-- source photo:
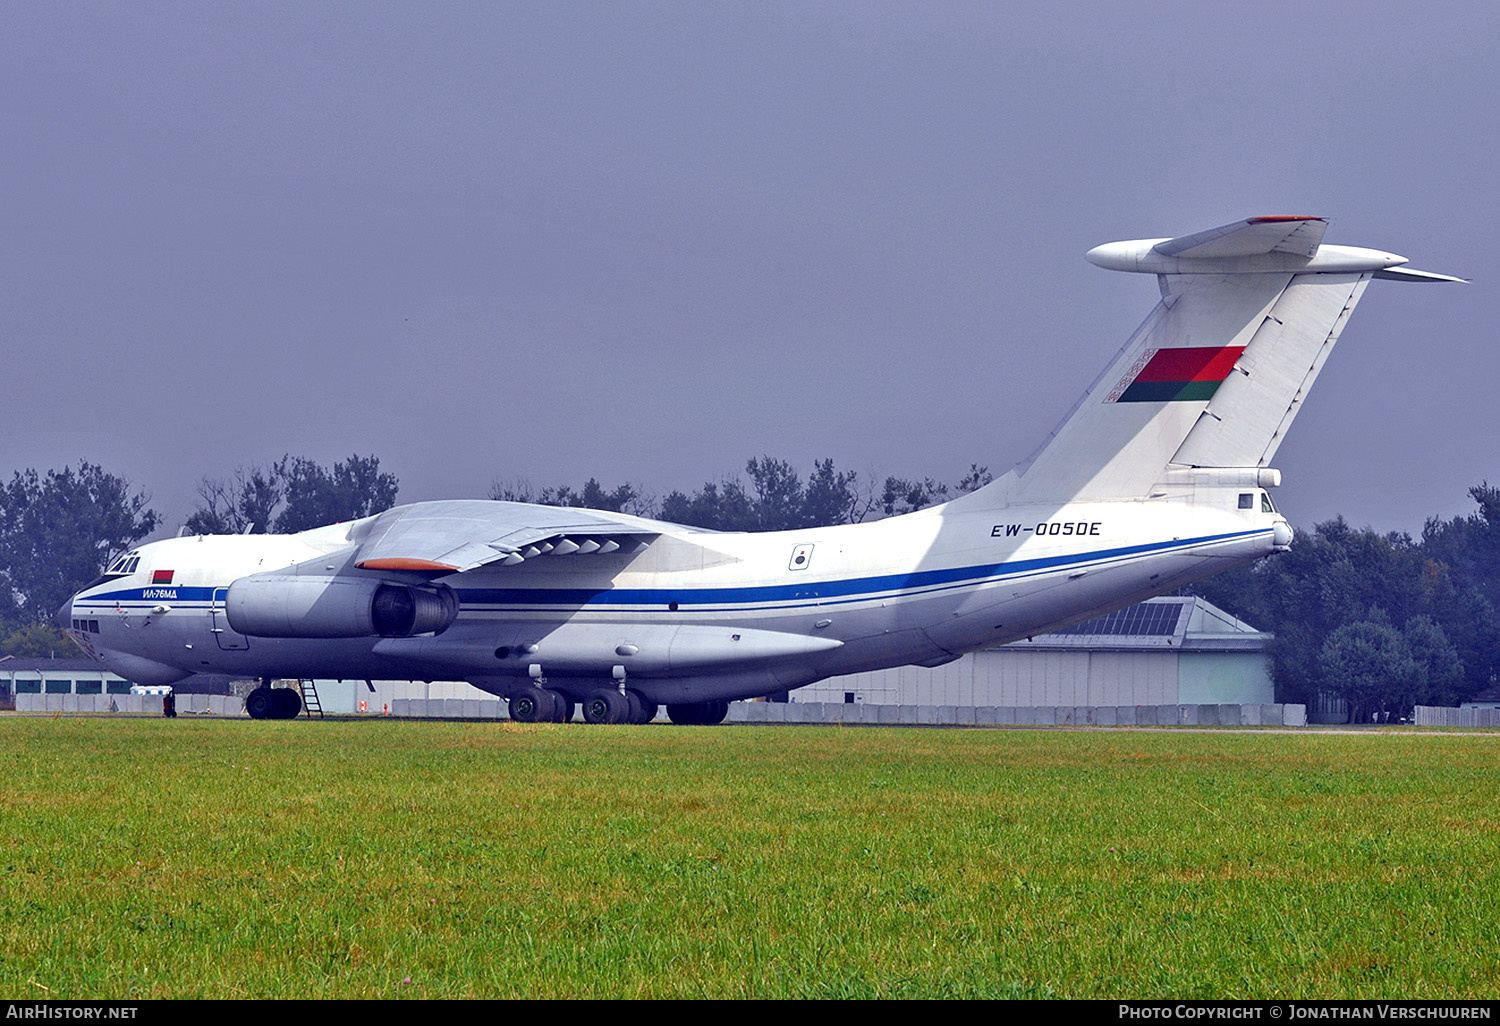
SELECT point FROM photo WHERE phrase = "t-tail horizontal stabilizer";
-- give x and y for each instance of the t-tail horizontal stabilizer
(1258, 245)
(1215, 375)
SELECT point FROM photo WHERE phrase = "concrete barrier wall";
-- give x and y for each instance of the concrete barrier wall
(449, 708)
(1447, 716)
(1276, 715)
(794, 712)
(131, 705)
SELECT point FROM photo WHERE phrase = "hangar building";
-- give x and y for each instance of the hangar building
(1164, 651)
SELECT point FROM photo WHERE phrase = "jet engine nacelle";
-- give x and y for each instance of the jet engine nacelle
(286, 606)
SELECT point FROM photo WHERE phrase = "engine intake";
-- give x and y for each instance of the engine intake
(288, 606)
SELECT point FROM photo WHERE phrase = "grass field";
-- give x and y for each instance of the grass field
(197, 858)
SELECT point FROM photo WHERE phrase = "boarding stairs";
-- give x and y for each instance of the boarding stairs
(310, 701)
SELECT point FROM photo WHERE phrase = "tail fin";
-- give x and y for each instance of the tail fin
(1217, 372)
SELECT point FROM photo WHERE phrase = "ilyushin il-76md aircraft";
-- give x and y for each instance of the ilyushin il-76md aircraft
(1159, 476)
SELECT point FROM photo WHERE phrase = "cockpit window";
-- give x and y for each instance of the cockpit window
(1265, 503)
(1247, 500)
(125, 564)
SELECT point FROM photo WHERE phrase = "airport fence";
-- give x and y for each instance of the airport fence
(1449, 716)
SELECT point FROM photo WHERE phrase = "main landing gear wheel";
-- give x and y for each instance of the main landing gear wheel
(606, 706)
(260, 703)
(642, 710)
(535, 705)
(698, 714)
(267, 703)
(288, 703)
(541, 705)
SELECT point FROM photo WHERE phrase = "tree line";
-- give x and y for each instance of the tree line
(1383, 621)
(59, 530)
(776, 498)
(292, 494)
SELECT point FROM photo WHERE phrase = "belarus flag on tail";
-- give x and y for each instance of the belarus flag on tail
(1180, 375)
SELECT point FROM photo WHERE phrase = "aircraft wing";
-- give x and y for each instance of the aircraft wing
(454, 536)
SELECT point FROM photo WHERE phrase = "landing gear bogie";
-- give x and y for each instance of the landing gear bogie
(642, 709)
(698, 714)
(540, 705)
(268, 703)
(536, 704)
(606, 705)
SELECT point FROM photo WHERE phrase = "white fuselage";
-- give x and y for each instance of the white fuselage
(698, 616)
(1154, 479)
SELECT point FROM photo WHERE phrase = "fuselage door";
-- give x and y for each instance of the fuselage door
(224, 634)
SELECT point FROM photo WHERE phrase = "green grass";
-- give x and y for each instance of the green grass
(197, 858)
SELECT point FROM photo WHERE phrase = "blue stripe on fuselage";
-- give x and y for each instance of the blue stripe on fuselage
(154, 593)
(847, 590)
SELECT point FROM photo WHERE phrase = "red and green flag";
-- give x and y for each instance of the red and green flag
(1181, 375)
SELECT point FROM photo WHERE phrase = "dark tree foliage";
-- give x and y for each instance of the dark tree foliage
(905, 496)
(832, 496)
(776, 498)
(1440, 671)
(58, 531)
(292, 494)
(623, 499)
(1462, 583)
(1369, 664)
(354, 488)
(245, 504)
(1470, 546)
(975, 479)
(38, 641)
(620, 500)
(779, 503)
(10, 607)
(519, 490)
(1379, 619)
(725, 506)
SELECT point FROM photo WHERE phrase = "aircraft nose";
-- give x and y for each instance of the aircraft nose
(64, 615)
(1282, 534)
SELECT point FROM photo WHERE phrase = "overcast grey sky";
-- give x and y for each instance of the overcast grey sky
(646, 241)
